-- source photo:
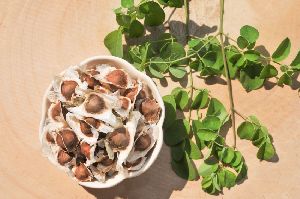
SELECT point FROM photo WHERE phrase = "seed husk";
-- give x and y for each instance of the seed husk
(95, 104)
(68, 89)
(118, 78)
(56, 111)
(143, 142)
(106, 161)
(91, 81)
(50, 138)
(85, 128)
(151, 110)
(67, 139)
(93, 122)
(85, 149)
(119, 138)
(82, 173)
(63, 157)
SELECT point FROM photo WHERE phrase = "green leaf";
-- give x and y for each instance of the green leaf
(123, 20)
(212, 123)
(136, 29)
(208, 167)
(254, 120)
(284, 79)
(246, 130)
(178, 72)
(296, 62)
(170, 110)
(242, 173)
(250, 33)
(238, 159)
(249, 76)
(177, 151)
(206, 182)
(154, 71)
(260, 136)
(282, 51)
(216, 108)
(229, 178)
(158, 62)
(175, 3)
(127, 3)
(228, 155)
(154, 14)
(201, 99)
(206, 134)
(196, 65)
(181, 97)
(251, 55)
(113, 42)
(185, 168)
(177, 132)
(266, 151)
(242, 42)
(216, 183)
(192, 150)
(172, 52)
(251, 46)
(268, 71)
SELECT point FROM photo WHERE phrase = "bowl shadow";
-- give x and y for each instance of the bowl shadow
(159, 181)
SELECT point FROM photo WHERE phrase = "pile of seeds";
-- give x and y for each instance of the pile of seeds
(100, 123)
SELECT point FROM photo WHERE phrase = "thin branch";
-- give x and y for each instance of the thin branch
(229, 86)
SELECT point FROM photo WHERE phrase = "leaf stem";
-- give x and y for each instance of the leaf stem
(187, 34)
(239, 114)
(229, 86)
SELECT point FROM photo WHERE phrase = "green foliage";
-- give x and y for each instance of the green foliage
(113, 42)
(249, 33)
(223, 166)
(282, 51)
(254, 131)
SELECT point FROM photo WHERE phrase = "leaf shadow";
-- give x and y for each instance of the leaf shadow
(211, 80)
(225, 128)
(159, 181)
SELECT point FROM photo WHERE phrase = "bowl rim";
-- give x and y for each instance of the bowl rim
(155, 92)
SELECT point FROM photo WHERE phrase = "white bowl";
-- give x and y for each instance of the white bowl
(133, 72)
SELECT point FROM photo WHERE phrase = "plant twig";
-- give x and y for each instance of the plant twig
(187, 34)
(239, 114)
(229, 86)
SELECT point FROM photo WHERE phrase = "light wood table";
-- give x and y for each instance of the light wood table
(40, 38)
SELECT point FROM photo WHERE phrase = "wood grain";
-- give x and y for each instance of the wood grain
(39, 38)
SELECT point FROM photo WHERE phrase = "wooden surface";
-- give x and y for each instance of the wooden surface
(40, 38)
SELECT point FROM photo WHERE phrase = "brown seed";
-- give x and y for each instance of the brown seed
(95, 104)
(85, 128)
(92, 82)
(119, 138)
(85, 149)
(68, 89)
(56, 111)
(117, 78)
(93, 122)
(132, 164)
(106, 161)
(94, 72)
(142, 143)
(63, 157)
(151, 110)
(67, 139)
(131, 93)
(125, 102)
(50, 138)
(82, 173)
